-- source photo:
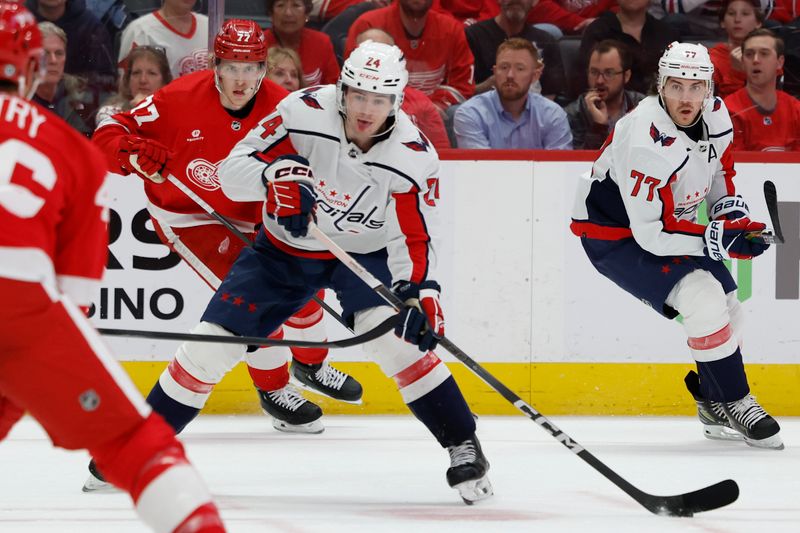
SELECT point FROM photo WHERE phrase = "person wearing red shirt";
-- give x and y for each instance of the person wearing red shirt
(737, 18)
(53, 250)
(764, 118)
(416, 104)
(315, 49)
(438, 58)
(571, 17)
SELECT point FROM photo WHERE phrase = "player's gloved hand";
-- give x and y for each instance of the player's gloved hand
(729, 208)
(734, 239)
(421, 321)
(290, 193)
(144, 157)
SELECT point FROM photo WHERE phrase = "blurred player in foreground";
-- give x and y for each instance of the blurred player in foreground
(636, 215)
(53, 247)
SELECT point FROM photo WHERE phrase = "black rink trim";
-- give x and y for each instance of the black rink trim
(315, 134)
(395, 171)
(716, 135)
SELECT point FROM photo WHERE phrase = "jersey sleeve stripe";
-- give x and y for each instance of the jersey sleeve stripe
(412, 224)
(727, 167)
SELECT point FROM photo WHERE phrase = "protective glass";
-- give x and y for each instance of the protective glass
(238, 70)
(694, 92)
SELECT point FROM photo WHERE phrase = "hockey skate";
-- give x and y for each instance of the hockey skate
(742, 419)
(467, 472)
(326, 380)
(96, 481)
(291, 412)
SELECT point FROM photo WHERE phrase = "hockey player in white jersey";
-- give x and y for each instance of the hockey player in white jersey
(348, 156)
(636, 215)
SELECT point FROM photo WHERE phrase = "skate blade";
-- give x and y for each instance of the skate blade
(721, 433)
(95, 485)
(300, 385)
(314, 427)
(770, 443)
(474, 490)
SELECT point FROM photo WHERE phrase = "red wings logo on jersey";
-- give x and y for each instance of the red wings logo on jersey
(420, 145)
(657, 136)
(203, 174)
(310, 99)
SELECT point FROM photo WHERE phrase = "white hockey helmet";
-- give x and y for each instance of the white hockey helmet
(687, 61)
(374, 67)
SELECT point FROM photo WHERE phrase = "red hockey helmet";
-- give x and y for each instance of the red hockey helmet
(240, 40)
(20, 45)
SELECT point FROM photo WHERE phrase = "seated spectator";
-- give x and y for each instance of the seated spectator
(569, 17)
(146, 71)
(485, 36)
(645, 36)
(764, 118)
(466, 11)
(285, 68)
(90, 50)
(416, 104)
(323, 11)
(737, 18)
(176, 29)
(698, 19)
(289, 30)
(593, 115)
(510, 116)
(438, 58)
(338, 26)
(64, 94)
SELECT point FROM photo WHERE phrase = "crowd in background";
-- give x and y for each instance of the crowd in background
(496, 74)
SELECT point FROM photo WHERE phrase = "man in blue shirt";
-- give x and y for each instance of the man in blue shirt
(510, 116)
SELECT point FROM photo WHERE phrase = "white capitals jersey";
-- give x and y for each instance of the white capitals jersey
(384, 198)
(650, 179)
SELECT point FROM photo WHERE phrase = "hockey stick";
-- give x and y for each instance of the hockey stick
(771, 199)
(687, 504)
(374, 333)
(227, 223)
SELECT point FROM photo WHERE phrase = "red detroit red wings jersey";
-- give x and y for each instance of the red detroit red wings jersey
(52, 217)
(187, 116)
(753, 129)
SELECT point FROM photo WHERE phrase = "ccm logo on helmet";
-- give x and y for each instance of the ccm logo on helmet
(294, 171)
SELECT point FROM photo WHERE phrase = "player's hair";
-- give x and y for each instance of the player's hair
(756, 7)
(276, 54)
(518, 43)
(157, 55)
(606, 45)
(308, 4)
(764, 32)
(48, 29)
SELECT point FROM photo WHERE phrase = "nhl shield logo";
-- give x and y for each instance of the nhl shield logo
(236, 125)
(89, 400)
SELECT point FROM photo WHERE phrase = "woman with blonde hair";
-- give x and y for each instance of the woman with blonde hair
(285, 68)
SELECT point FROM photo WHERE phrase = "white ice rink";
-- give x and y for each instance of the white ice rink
(383, 474)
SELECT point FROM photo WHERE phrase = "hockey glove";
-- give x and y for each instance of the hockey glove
(734, 239)
(729, 208)
(421, 321)
(144, 157)
(290, 193)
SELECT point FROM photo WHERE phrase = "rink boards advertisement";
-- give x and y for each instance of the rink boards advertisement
(519, 296)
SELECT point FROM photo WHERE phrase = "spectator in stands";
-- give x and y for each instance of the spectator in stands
(569, 17)
(485, 36)
(416, 104)
(146, 71)
(174, 28)
(289, 30)
(593, 115)
(285, 68)
(323, 11)
(645, 36)
(510, 116)
(737, 18)
(64, 94)
(764, 118)
(438, 58)
(90, 50)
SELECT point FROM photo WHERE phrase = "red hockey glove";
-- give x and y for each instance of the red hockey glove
(144, 157)
(734, 239)
(290, 193)
(421, 321)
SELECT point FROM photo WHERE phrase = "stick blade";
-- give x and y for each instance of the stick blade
(705, 499)
(771, 199)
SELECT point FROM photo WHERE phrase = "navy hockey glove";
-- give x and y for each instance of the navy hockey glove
(729, 208)
(421, 321)
(144, 157)
(290, 193)
(734, 239)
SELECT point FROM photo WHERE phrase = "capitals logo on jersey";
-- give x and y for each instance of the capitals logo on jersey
(310, 99)
(420, 145)
(657, 136)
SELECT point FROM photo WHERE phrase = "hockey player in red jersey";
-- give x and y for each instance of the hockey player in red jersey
(53, 247)
(186, 129)
(636, 215)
